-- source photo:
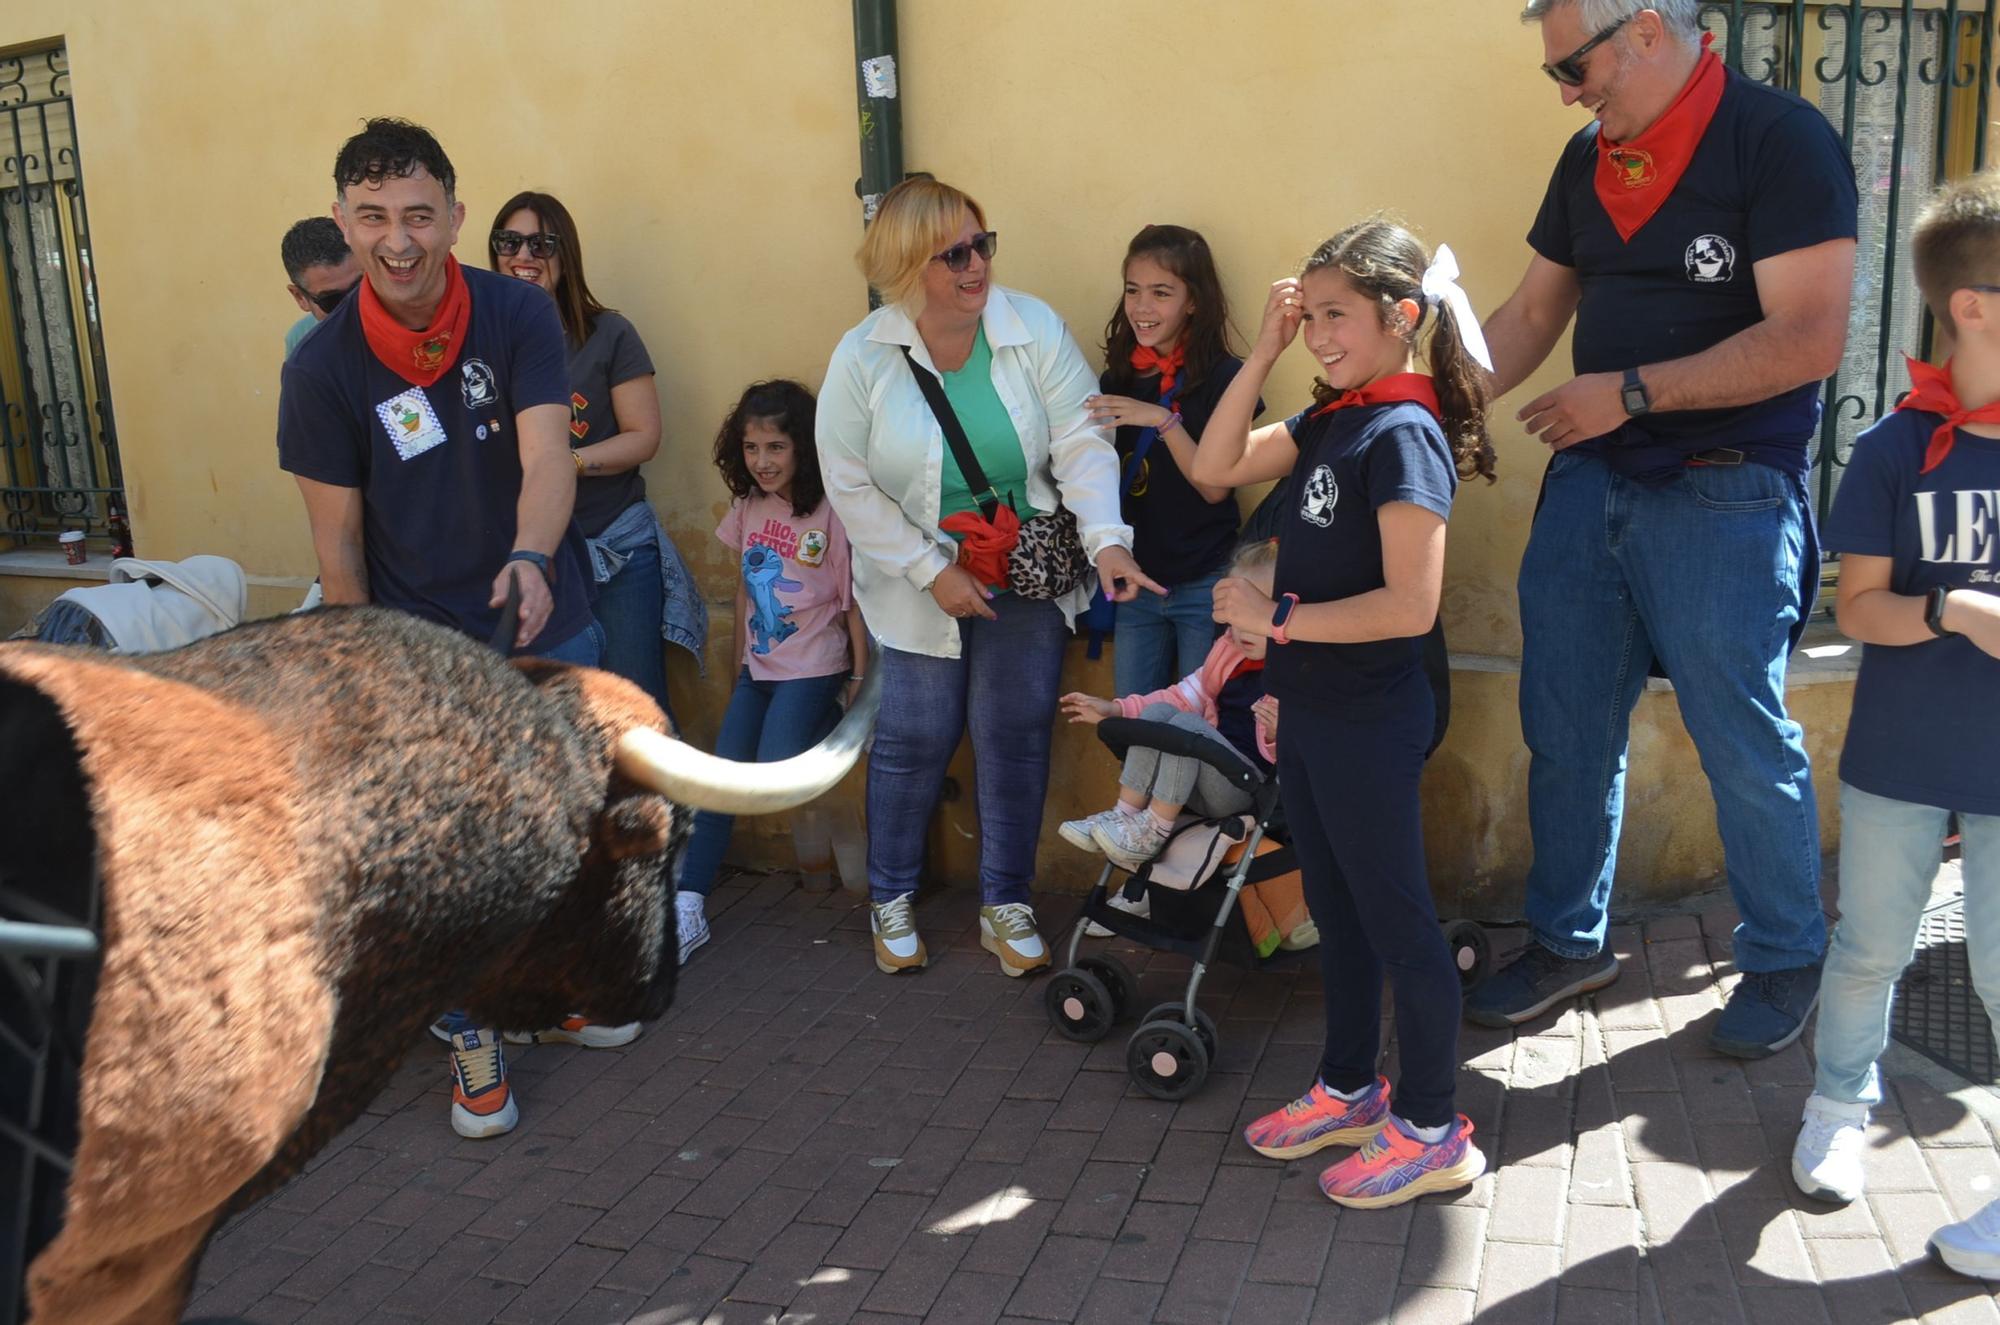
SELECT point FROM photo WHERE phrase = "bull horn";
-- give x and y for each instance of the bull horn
(703, 781)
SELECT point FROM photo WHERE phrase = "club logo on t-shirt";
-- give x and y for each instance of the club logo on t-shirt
(1322, 494)
(1711, 260)
(477, 384)
(411, 422)
(812, 547)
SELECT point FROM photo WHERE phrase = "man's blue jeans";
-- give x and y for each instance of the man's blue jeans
(1702, 573)
(766, 721)
(1889, 854)
(1159, 640)
(1003, 687)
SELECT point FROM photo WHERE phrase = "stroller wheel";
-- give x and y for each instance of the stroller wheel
(1167, 1060)
(1204, 1025)
(1117, 978)
(1079, 1005)
(1471, 951)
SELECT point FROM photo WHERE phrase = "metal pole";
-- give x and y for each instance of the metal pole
(881, 108)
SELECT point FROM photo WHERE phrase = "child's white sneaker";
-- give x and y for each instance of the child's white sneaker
(1826, 1159)
(691, 915)
(1143, 908)
(1130, 840)
(1972, 1247)
(1076, 832)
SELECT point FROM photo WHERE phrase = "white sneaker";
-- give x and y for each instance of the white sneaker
(1143, 908)
(691, 917)
(578, 1029)
(1826, 1159)
(1076, 832)
(482, 1103)
(898, 946)
(1008, 932)
(1130, 840)
(1973, 1246)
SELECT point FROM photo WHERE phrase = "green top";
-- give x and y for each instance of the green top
(990, 429)
(297, 333)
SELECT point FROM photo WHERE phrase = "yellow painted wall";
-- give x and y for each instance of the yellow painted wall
(709, 154)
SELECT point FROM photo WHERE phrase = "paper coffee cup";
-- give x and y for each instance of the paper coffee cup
(72, 546)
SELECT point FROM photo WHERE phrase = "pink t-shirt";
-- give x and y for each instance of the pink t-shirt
(797, 580)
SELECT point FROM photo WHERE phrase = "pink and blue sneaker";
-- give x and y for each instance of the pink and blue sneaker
(1319, 1119)
(1395, 1166)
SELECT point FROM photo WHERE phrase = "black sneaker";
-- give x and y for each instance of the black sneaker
(1535, 981)
(1766, 1013)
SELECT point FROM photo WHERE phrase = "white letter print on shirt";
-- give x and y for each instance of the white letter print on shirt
(1972, 516)
(1322, 494)
(412, 423)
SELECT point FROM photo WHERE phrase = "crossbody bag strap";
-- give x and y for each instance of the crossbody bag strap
(954, 435)
(1147, 436)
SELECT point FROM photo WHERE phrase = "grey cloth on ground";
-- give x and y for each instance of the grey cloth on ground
(1178, 779)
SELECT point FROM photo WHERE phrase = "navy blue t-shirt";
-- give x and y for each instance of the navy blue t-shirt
(1234, 719)
(1769, 177)
(1178, 535)
(1351, 463)
(439, 467)
(1922, 729)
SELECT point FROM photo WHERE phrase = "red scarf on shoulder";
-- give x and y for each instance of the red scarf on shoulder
(1931, 391)
(1415, 387)
(1635, 179)
(419, 357)
(1147, 360)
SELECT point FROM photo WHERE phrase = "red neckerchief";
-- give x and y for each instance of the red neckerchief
(1146, 360)
(1243, 667)
(1635, 179)
(419, 357)
(985, 544)
(1416, 387)
(1931, 391)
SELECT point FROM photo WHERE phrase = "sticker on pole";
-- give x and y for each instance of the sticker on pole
(878, 77)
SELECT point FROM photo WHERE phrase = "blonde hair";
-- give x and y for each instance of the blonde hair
(1258, 554)
(917, 220)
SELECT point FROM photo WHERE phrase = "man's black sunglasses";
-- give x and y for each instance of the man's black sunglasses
(959, 256)
(326, 300)
(506, 243)
(1569, 70)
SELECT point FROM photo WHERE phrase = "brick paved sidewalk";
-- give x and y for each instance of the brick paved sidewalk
(804, 1139)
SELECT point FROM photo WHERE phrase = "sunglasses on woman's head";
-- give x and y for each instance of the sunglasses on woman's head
(1569, 70)
(506, 243)
(959, 256)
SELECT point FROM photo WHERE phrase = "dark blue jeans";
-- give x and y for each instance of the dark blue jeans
(766, 721)
(1003, 689)
(1702, 573)
(628, 607)
(1159, 640)
(1349, 786)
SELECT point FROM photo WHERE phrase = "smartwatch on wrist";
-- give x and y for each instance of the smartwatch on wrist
(1633, 394)
(1934, 611)
(535, 559)
(1281, 617)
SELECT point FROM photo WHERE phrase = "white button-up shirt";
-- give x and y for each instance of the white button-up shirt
(882, 452)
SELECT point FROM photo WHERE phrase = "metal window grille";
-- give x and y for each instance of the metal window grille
(58, 449)
(1907, 85)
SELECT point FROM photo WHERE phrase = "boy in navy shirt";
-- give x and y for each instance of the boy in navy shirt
(426, 422)
(1917, 521)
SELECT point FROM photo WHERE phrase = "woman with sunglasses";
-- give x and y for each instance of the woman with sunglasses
(644, 591)
(961, 655)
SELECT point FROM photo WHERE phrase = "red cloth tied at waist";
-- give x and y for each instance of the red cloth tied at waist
(984, 544)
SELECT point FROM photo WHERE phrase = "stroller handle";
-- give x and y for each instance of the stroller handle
(1121, 734)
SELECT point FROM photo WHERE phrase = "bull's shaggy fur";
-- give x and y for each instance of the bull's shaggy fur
(316, 834)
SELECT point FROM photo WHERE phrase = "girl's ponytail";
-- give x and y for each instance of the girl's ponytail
(1462, 396)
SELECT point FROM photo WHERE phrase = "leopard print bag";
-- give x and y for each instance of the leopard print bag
(1047, 560)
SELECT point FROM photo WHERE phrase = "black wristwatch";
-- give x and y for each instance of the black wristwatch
(1633, 394)
(1934, 611)
(536, 559)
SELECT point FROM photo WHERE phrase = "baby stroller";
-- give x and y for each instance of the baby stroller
(1169, 1055)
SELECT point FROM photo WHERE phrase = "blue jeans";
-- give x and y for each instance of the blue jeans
(583, 649)
(766, 721)
(1889, 853)
(1159, 640)
(1703, 574)
(628, 607)
(1003, 687)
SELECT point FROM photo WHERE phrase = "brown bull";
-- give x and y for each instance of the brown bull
(315, 834)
